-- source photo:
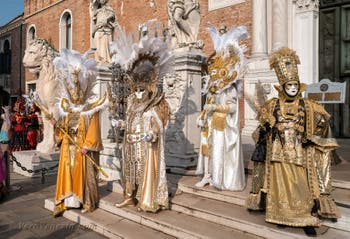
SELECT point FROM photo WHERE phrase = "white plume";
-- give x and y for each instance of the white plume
(126, 52)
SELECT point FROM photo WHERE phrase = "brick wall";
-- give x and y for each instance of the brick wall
(17, 72)
(130, 14)
(46, 15)
(14, 32)
(47, 21)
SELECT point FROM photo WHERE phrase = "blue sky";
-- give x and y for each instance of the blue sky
(10, 9)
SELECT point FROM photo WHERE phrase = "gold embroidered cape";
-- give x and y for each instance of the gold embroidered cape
(295, 174)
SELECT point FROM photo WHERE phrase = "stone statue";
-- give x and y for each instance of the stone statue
(38, 59)
(104, 20)
(184, 20)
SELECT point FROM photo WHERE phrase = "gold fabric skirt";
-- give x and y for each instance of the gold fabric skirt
(289, 200)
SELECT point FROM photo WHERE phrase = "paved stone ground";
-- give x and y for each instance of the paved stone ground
(22, 213)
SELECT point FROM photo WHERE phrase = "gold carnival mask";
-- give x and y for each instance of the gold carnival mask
(219, 70)
(77, 95)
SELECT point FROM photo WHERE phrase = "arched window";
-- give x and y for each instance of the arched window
(31, 34)
(5, 58)
(66, 30)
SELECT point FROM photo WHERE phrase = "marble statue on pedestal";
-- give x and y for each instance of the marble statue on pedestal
(38, 59)
(184, 20)
(104, 20)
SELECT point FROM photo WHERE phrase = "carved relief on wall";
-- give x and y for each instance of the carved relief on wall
(307, 4)
(174, 89)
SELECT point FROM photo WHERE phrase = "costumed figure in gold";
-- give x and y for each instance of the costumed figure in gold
(221, 156)
(293, 153)
(78, 131)
(143, 168)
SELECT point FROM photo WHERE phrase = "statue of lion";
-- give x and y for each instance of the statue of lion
(38, 59)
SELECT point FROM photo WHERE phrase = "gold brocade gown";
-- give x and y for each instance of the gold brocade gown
(76, 174)
(295, 175)
(144, 175)
(289, 200)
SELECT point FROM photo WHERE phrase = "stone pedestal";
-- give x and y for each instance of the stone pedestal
(34, 160)
(104, 76)
(110, 157)
(182, 135)
(110, 160)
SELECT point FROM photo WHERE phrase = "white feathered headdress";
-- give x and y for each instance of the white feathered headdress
(77, 77)
(147, 61)
(227, 64)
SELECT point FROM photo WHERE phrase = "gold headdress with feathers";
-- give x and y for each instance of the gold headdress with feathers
(227, 63)
(77, 77)
(145, 62)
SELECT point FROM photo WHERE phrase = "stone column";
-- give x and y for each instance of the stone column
(279, 24)
(258, 67)
(110, 156)
(259, 34)
(306, 38)
(182, 134)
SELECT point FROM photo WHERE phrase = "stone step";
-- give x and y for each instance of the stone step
(109, 225)
(186, 184)
(239, 217)
(115, 186)
(172, 223)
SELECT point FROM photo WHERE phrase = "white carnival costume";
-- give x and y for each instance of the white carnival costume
(221, 156)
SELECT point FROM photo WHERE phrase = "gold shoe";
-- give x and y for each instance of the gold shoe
(126, 202)
(57, 211)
